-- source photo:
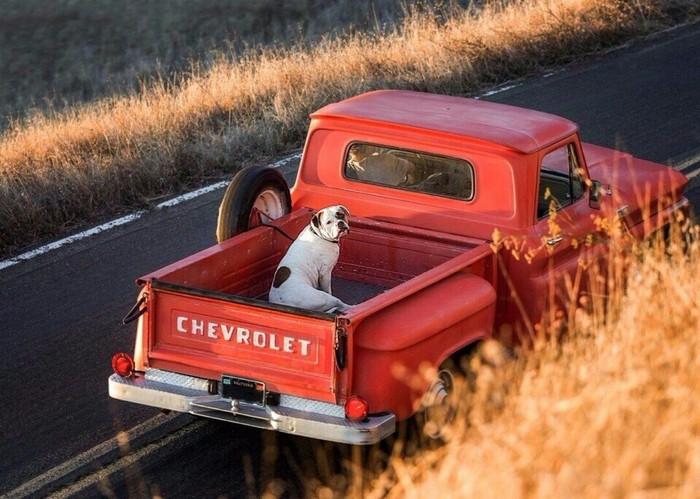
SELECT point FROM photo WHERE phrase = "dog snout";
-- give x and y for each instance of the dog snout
(343, 226)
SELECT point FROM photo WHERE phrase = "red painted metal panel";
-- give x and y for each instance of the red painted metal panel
(517, 128)
(210, 337)
(399, 343)
(499, 179)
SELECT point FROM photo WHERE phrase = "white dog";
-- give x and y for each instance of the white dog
(303, 277)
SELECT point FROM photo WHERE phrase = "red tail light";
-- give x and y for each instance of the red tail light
(123, 365)
(356, 408)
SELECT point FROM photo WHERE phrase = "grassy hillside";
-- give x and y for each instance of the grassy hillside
(62, 169)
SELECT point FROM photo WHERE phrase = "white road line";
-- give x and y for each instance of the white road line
(126, 219)
(498, 90)
(71, 239)
(284, 161)
(515, 84)
(191, 195)
(125, 461)
(64, 469)
(689, 166)
(687, 163)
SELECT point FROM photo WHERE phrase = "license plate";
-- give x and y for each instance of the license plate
(243, 389)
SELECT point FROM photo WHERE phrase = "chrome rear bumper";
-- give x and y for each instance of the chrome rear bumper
(304, 417)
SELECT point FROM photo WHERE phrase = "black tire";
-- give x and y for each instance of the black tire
(256, 193)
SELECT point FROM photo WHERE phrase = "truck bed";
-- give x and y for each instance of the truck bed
(208, 315)
(374, 257)
(355, 291)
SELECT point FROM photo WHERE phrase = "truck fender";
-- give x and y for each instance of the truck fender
(394, 344)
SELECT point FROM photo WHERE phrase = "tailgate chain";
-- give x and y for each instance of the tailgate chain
(341, 346)
(136, 311)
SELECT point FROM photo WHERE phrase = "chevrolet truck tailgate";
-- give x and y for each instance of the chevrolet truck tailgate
(212, 334)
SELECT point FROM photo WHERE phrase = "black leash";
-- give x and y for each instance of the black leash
(280, 231)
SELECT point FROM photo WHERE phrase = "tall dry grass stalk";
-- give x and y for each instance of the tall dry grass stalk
(59, 170)
(610, 409)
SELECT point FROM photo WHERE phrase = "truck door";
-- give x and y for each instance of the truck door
(565, 225)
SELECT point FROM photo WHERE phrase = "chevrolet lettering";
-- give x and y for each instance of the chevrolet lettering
(246, 336)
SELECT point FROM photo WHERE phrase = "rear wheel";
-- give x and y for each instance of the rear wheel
(468, 384)
(255, 196)
(439, 404)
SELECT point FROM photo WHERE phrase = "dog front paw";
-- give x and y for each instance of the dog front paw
(340, 308)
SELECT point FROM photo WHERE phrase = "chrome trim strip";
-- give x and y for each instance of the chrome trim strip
(303, 417)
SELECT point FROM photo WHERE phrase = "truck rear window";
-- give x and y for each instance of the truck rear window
(410, 170)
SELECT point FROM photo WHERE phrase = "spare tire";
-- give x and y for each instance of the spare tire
(257, 194)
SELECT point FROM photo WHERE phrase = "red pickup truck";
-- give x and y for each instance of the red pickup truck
(428, 180)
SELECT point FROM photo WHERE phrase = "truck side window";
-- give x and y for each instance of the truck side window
(561, 181)
(410, 170)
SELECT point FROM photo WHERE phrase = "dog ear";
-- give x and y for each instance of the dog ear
(315, 220)
(342, 209)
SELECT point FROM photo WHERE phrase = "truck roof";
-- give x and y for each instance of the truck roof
(517, 128)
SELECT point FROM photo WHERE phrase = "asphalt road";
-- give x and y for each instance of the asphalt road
(61, 312)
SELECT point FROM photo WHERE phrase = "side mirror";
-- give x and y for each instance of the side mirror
(594, 194)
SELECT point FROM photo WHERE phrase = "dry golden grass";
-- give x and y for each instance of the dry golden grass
(60, 170)
(609, 410)
(602, 405)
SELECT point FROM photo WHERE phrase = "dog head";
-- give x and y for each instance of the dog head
(331, 223)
